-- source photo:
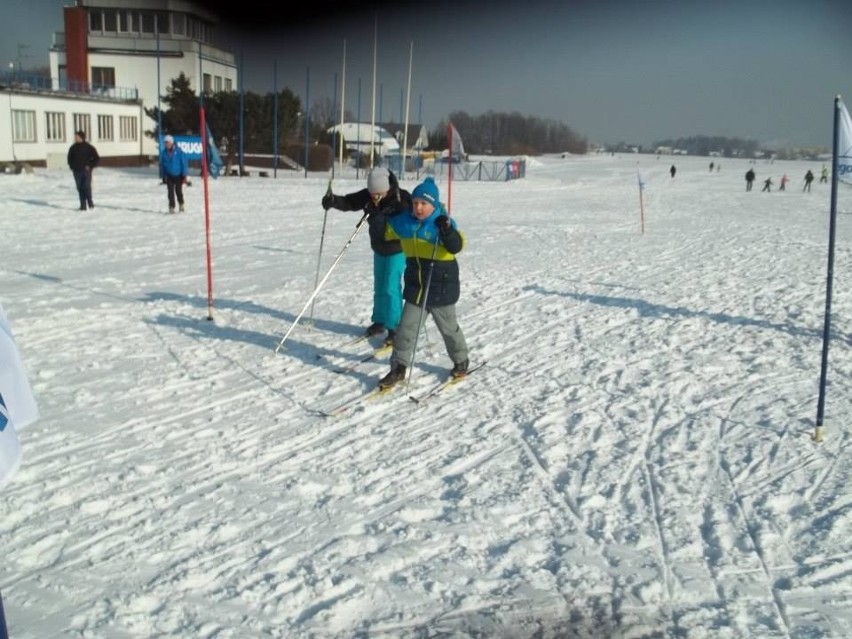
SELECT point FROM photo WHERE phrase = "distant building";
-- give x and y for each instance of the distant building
(43, 122)
(663, 150)
(414, 136)
(361, 137)
(113, 53)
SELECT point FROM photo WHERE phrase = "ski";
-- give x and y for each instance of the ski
(376, 353)
(348, 404)
(452, 381)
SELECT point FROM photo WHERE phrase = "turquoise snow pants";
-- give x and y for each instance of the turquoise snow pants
(387, 289)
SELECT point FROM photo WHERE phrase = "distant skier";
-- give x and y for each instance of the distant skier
(782, 185)
(749, 179)
(711, 167)
(174, 169)
(809, 177)
(673, 170)
(767, 185)
(823, 176)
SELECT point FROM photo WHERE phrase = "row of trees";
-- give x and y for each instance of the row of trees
(490, 133)
(509, 134)
(706, 144)
(724, 146)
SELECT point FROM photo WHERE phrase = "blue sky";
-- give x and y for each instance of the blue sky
(612, 70)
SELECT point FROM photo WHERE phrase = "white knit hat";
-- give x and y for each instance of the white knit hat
(378, 181)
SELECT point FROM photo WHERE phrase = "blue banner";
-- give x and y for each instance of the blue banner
(189, 144)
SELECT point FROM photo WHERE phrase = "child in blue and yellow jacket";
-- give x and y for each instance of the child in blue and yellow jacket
(430, 241)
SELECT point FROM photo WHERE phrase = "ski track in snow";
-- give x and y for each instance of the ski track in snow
(634, 460)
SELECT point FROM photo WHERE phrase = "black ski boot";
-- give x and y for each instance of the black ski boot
(460, 368)
(376, 328)
(394, 377)
(389, 339)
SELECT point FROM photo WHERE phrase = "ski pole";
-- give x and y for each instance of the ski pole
(319, 259)
(319, 286)
(423, 309)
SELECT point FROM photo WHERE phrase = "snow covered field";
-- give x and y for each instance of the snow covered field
(634, 461)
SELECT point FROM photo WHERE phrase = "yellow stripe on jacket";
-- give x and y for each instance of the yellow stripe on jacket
(421, 248)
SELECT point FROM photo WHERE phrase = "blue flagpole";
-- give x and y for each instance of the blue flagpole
(159, 91)
(420, 122)
(334, 136)
(826, 333)
(242, 114)
(275, 120)
(307, 114)
(200, 79)
(358, 161)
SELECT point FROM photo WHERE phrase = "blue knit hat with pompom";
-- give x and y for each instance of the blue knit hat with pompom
(427, 190)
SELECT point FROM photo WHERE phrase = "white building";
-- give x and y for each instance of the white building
(360, 137)
(43, 125)
(123, 48)
(415, 136)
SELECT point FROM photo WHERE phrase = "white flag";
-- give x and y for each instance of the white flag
(844, 146)
(17, 405)
(457, 150)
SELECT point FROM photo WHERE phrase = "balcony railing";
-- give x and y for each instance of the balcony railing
(40, 84)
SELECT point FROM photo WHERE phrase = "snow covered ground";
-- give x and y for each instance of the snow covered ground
(634, 461)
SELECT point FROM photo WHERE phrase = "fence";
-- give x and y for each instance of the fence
(482, 170)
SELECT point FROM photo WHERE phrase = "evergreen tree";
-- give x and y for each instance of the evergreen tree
(181, 116)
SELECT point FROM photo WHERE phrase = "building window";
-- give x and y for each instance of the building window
(147, 22)
(54, 126)
(198, 30)
(83, 122)
(123, 26)
(206, 85)
(105, 127)
(229, 85)
(23, 126)
(96, 20)
(103, 77)
(179, 23)
(110, 20)
(163, 23)
(127, 128)
(217, 83)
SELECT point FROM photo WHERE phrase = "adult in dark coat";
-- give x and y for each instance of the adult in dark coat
(82, 158)
(383, 198)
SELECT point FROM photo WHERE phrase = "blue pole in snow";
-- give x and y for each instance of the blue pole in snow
(4, 633)
(826, 333)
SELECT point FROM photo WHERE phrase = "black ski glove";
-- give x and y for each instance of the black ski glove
(443, 224)
(328, 201)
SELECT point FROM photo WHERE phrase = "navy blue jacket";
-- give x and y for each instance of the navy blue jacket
(422, 241)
